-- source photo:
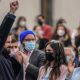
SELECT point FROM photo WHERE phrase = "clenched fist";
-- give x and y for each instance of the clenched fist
(14, 6)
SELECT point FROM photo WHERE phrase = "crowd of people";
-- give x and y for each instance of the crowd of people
(43, 53)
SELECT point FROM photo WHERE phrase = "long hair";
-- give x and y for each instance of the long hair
(55, 35)
(58, 60)
(19, 19)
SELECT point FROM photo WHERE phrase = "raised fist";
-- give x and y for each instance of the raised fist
(14, 6)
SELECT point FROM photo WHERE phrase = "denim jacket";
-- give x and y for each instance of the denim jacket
(75, 75)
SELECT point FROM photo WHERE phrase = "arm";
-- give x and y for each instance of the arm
(7, 23)
(5, 28)
(31, 69)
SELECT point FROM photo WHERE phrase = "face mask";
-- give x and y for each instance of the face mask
(61, 32)
(50, 56)
(22, 23)
(40, 32)
(30, 46)
(40, 22)
(68, 58)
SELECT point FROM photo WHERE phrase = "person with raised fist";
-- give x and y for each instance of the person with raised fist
(6, 70)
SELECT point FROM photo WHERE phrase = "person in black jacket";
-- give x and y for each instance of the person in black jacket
(6, 70)
(10, 48)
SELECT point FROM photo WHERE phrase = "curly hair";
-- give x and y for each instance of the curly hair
(60, 59)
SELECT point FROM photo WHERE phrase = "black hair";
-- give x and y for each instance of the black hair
(61, 21)
(60, 59)
(41, 16)
(35, 27)
(13, 37)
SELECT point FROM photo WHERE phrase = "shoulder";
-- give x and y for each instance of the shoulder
(77, 70)
(2, 60)
(48, 26)
(39, 52)
(42, 70)
(41, 73)
(63, 68)
(64, 71)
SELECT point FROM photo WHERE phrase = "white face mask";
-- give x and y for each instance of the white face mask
(22, 23)
(61, 32)
(40, 32)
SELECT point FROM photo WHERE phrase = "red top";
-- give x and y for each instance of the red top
(47, 31)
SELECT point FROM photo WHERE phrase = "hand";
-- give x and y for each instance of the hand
(14, 6)
(21, 57)
(71, 66)
(25, 58)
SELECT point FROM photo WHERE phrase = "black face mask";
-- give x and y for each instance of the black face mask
(50, 56)
(40, 22)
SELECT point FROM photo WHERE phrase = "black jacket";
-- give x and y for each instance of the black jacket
(36, 61)
(5, 28)
(77, 41)
(10, 66)
(6, 70)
